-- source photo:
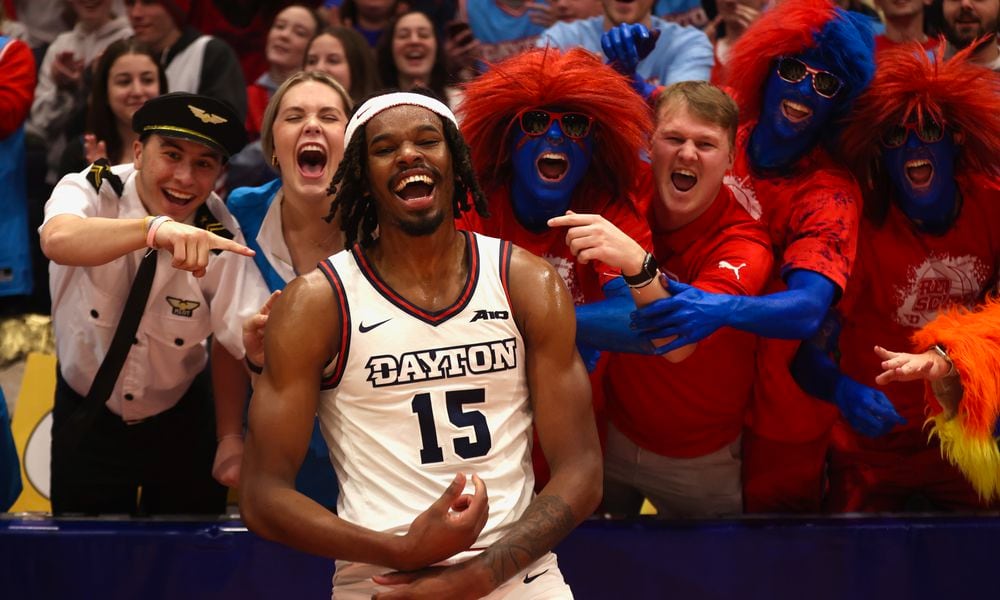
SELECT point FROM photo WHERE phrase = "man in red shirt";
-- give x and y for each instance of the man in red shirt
(794, 74)
(930, 240)
(677, 442)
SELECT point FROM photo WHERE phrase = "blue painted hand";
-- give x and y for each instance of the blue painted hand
(868, 411)
(689, 314)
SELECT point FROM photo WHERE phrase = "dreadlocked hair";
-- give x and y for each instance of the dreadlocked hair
(572, 81)
(912, 85)
(817, 29)
(352, 196)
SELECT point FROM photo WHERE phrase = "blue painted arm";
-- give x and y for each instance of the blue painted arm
(604, 325)
(627, 44)
(868, 411)
(692, 314)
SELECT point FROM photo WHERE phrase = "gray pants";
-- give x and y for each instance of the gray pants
(705, 486)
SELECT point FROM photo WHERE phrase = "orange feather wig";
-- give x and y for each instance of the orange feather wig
(572, 81)
(968, 439)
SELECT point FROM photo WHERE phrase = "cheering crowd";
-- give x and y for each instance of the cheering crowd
(448, 278)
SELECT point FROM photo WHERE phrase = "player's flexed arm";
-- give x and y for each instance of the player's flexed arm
(303, 331)
(564, 418)
(560, 393)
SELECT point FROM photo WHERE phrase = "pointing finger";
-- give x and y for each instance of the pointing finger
(221, 243)
(570, 219)
(266, 309)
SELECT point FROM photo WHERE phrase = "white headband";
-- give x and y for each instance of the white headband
(379, 103)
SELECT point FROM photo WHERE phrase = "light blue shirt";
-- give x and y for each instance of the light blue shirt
(681, 54)
(501, 33)
(683, 12)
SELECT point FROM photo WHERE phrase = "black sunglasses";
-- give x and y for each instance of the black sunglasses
(536, 121)
(929, 131)
(794, 70)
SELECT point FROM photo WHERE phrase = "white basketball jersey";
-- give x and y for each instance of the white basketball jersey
(417, 396)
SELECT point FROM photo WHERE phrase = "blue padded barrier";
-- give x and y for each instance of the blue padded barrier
(812, 558)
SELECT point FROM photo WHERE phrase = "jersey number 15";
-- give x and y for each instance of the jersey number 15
(455, 400)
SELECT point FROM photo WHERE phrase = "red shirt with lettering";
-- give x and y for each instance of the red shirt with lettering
(902, 278)
(812, 213)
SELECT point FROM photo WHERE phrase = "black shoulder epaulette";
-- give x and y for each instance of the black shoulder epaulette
(100, 172)
(204, 219)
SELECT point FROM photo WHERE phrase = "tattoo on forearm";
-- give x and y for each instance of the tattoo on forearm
(546, 521)
(948, 390)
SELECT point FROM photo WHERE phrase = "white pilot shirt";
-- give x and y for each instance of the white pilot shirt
(170, 348)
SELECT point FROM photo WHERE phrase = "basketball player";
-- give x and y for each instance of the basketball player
(446, 347)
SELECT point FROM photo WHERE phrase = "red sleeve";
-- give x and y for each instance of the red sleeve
(17, 85)
(824, 220)
(257, 99)
(740, 264)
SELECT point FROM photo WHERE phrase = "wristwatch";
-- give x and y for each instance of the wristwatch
(646, 274)
(943, 353)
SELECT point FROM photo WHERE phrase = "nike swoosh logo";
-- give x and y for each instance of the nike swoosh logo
(366, 328)
(530, 578)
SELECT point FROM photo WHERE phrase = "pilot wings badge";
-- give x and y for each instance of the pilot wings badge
(205, 116)
(182, 308)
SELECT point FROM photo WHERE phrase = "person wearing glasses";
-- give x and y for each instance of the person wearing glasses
(681, 449)
(567, 137)
(925, 134)
(794, 73)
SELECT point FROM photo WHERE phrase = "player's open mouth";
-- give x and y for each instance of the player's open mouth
(919, 172)
(683, 179)
(311, 160)
(177, 198)
(795, 112)
(414, 188)
(552, 166)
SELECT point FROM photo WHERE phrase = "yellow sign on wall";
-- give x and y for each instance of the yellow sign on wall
(32, 427)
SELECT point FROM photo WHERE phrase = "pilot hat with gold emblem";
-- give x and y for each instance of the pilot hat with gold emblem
(192, 117)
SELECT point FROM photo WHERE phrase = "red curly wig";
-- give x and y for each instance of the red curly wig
(909, 84)
(547, 78)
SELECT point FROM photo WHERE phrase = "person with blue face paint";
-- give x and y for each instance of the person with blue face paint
(552, 132)
(550, 155)
(569, 139)
(794, 73)
(924, 134)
